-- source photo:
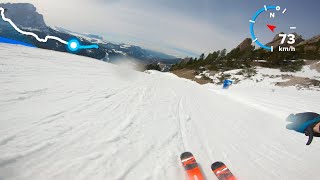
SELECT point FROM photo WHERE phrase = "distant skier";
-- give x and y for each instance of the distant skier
(307, 123)
(227, 83)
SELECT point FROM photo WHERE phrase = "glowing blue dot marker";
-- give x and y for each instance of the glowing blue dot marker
(74, 45)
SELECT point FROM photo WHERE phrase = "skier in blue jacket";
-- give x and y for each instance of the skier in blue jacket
(307, 123)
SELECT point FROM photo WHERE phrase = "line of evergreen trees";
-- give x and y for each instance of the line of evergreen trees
(216, 61)
(236, 58)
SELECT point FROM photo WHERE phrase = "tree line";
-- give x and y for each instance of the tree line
(236, 59)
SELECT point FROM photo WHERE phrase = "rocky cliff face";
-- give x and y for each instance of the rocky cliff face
(313, 40)
(312, 44)
(245, 45)
(24, 15)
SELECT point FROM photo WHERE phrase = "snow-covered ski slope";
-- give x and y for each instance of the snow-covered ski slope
(66, 117)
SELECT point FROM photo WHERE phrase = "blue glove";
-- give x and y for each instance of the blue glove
(304, 123)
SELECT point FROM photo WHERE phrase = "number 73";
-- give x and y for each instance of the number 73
(290, 36)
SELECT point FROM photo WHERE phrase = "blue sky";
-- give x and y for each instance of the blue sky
(179, 27)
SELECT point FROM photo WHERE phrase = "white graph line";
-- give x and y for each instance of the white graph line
(30, 33)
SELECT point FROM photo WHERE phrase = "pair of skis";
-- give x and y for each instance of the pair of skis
(194, 173)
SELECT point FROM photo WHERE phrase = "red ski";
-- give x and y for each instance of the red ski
(190, 165)
(222, 171)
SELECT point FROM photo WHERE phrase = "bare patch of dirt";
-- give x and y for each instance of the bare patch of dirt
(301, 82)
(315, 66)
(190, 74)
(310, 62)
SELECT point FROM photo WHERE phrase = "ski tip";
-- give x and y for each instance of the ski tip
(222, 171)
(217, 164)
(186, 155)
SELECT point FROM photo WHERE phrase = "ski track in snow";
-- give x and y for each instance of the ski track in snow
(69, 117)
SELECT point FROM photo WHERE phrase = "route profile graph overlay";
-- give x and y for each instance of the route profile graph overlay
(72, 45)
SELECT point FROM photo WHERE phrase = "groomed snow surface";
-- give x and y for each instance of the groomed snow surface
(66, 117)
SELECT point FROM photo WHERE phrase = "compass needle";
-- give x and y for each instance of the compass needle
(271, 27)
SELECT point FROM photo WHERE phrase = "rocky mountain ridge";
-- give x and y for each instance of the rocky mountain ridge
(25, 15)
